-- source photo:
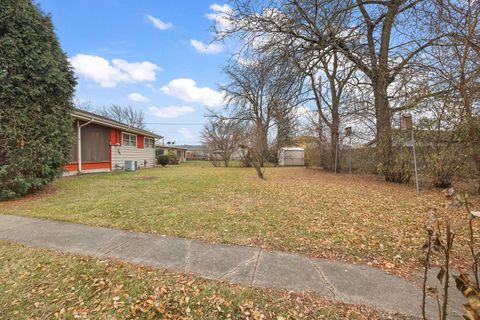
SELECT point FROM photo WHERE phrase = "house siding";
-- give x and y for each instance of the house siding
(120, 154)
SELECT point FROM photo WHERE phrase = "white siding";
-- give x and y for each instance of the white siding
(122, 153)
(291, 157)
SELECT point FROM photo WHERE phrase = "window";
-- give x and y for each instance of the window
(149, 143)
(159, 152)
(129, 140)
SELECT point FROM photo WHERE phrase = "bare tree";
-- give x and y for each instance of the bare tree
(222, 138)
(251, 150)
(328, 95)
(457, 64)
(125, 114)
(83, 105)
(262, 93)
(383, 39)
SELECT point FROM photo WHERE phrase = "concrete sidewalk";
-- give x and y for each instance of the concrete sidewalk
(338, 281)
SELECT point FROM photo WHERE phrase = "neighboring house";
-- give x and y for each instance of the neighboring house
(196, 152)
(423, 138)
(102, 144)
(291, 156)
(179, 151)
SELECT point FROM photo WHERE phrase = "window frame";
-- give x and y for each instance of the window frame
(129, 139)
(145, 145)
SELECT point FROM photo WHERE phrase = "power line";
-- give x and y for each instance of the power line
(177, 123)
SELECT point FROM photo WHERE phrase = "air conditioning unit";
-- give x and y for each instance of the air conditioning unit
(130, 165)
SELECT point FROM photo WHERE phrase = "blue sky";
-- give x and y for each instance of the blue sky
(154, 55)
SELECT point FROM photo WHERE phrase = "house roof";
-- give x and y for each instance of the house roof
(424, 137)
(98, 119)
(193, 147)
(169, 146)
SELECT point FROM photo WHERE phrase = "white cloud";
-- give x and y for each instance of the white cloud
(138, 71)
(187, 90)
(220, 16)
(108, 74)
(134, 96)
(170, 112)
(159, 24)
(211, 48)
(186, 133)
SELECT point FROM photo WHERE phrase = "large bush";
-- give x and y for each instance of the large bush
(163, 160)
(36, 89)
(172, 157)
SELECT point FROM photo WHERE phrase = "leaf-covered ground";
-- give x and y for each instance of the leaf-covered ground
(351, 218)
(41, 284)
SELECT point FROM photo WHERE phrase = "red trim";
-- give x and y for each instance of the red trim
(71, 167)
(140, 141)
(88, 166)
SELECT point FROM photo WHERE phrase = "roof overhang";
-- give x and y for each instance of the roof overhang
(97, 119)
(169, 147)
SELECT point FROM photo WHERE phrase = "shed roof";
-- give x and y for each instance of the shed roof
(292, 149)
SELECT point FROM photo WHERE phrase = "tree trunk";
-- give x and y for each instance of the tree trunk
(335, 142)
(262, 144)
(385, 155)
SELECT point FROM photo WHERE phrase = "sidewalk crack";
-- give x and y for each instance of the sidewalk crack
(325, 281)
(242, 264)
(121, 244)
(106, 245)
(252, 281)
(187, 255)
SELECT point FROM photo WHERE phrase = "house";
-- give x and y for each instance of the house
(423, 138)
(102, 144)
(291, 156)
(196, 152)
(165, 149)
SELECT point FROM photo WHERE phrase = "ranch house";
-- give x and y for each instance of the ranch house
(102, 144)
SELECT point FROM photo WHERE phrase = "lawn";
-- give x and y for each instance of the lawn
(41, 284)
(343, 217)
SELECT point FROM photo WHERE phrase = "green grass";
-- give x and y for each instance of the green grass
(298, 210)
(203, 163)
(41, 284)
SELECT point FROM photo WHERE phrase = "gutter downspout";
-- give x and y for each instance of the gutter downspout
(79, 143)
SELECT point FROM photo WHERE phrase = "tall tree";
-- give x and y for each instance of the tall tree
(261, 92)
(36, 91)
(382, 39)
(328, 76)
(125, 114)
